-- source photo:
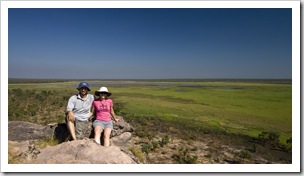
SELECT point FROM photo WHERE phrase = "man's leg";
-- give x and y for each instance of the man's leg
(71, 128)
(81, 129)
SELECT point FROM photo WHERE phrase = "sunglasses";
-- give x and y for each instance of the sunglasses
(83, 88)
(103, 93)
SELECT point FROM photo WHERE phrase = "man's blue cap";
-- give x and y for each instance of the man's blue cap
(84, 84)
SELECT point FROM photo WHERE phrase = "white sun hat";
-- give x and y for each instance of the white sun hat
(102, 89)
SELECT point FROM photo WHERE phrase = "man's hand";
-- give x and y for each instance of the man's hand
(91, 116)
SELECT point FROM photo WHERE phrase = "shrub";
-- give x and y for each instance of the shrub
(184, 157)
(147, 148)
(165, 140)
(137, 153)
(245, 154)
(194, 149)
(289, 144)
(174, 147)
(270, 138)
(154, 144)
(150, 146)
(208, 155)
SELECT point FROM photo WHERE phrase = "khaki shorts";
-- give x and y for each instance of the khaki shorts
(81, 128)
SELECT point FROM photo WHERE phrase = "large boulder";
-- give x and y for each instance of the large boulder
(121, 127)
(22, 137)
(122, 139)
(82, 152)
(20, 131)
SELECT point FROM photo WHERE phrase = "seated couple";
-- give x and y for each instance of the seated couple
(83, 106)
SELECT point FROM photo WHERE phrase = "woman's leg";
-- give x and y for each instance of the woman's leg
(106, 136)
(97, 133)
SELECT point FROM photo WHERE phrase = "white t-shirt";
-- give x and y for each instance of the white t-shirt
(80, 107)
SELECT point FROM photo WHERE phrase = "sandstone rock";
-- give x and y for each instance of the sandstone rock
(25, 150)
(17, 148)
(121, 140)
(120, 127)
(22, 136)
(82, 152)
(20, 131)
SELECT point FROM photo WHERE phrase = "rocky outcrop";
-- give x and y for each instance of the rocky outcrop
(121, 140)
(20, 131)
(25, 151)
(22, 137)
(82, 152)
(121, 127)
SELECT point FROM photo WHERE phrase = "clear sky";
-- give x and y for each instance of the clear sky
(150, 43)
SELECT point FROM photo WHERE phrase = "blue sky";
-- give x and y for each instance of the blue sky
(150, 43)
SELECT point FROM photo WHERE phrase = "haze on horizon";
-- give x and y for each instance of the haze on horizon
(156, 43)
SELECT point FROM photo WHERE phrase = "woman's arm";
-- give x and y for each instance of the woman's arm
(92, 113)
(113, 114)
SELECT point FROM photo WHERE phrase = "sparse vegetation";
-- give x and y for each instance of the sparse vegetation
(165, 140)
(37, 106)
(187, 110)
(245, 154)
(147, 148)
(12, 159)
(50, 141)
(137, 153)
(184, 157)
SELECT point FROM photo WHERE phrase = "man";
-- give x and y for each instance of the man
(78, 111)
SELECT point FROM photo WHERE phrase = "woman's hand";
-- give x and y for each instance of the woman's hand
(116, 120)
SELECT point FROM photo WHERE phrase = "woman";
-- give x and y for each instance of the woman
(104, 112)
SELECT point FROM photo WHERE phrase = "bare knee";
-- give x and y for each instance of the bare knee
(107, 133)
(97, 130)
(106, 136)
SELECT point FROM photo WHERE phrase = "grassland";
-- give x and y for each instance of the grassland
(242, 108)
(190, 109)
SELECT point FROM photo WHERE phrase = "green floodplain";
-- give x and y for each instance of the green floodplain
(192, 107)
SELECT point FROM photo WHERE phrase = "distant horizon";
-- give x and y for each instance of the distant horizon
(152, 78)
(135, 81)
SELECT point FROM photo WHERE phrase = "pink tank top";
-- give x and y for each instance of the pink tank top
(103, 109)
